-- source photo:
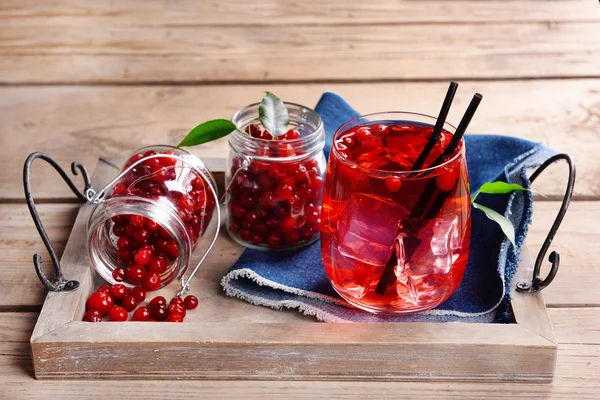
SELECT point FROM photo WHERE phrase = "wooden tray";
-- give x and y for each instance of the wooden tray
(227, 338)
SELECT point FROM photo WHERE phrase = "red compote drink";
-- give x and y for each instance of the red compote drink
(275, 184)
(386, 247)
(144, 230)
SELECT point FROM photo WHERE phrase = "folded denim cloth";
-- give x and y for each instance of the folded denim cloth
(297, 279)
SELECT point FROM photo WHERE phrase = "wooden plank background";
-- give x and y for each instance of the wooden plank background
(83, 79)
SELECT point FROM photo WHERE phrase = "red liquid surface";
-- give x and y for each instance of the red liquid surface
(367, 222)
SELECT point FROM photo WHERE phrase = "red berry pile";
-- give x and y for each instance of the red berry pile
(275, 204)
(116, 302)
(144, 248)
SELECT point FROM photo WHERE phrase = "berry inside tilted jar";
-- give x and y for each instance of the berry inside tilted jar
(275, 184)
(144, 231)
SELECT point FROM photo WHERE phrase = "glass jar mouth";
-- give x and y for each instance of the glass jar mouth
(193, 159)
(376, 117)
(302, 118)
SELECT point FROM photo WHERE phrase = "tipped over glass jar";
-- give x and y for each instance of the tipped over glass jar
(148, 220)
(275, 184)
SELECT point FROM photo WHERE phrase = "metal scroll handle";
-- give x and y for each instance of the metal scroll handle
(538, 283)
(58, 283)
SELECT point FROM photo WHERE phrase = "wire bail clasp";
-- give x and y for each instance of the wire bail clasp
(537, 283)
(58, 283)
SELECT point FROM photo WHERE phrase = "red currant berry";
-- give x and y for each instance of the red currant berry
(176, 300)
(129, 303)
(137, 221)
(158, 301)
(256, 239)
(174, 318)
(393, 183)
(118, 274)
(158, 312)
(141, 314)
(117, 314)
(292, 134)
(190, 302)
(172, 249)
(123, 243)
(176, 309)
(292, 238)
(104, 289)
(92, 316)
(157, 264)
(151, 281)
(246, 235)
(124, 255)
(118, 292)
(142, 256)
(283, 192)
(274, 240)
(445, 182)
(119, 230)
(135, 274)
(141, 236)
(130, 230)
(152, 226)
(101, 302)
(138, 293)
(161, 245)
(168, 161)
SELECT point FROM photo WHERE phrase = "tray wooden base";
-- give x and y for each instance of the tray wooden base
(226, 338)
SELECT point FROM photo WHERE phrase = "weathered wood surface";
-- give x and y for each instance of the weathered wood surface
(577, 370)
(84, 123)
(285, 12)
(83, 53)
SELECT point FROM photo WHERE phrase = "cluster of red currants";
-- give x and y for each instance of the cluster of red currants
(275, 203)
(144, 247)
(116, 302)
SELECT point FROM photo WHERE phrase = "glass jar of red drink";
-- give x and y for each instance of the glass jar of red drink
(148, 220)
(275, 185)
(394, 240)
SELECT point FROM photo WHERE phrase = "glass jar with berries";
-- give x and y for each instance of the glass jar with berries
(274, 175)
(149, 219)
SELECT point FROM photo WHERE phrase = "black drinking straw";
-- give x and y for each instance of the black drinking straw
(388, 277)
(437, 129)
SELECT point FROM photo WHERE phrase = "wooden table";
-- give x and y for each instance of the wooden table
(98, 78)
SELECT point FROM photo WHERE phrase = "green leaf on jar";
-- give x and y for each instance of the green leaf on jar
(273, 115)
(207, 132)
(503, 222)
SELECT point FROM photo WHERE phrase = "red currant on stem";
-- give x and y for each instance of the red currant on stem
(104, 289)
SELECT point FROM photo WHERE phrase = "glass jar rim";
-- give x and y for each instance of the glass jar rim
(287, 141)
(304, 146)
(382, 172)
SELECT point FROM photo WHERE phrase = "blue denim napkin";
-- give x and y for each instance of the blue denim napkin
(297, 279)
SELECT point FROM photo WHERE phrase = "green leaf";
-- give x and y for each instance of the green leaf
(207, 132)
(501, 220)
(497, 187)
(273, 115)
